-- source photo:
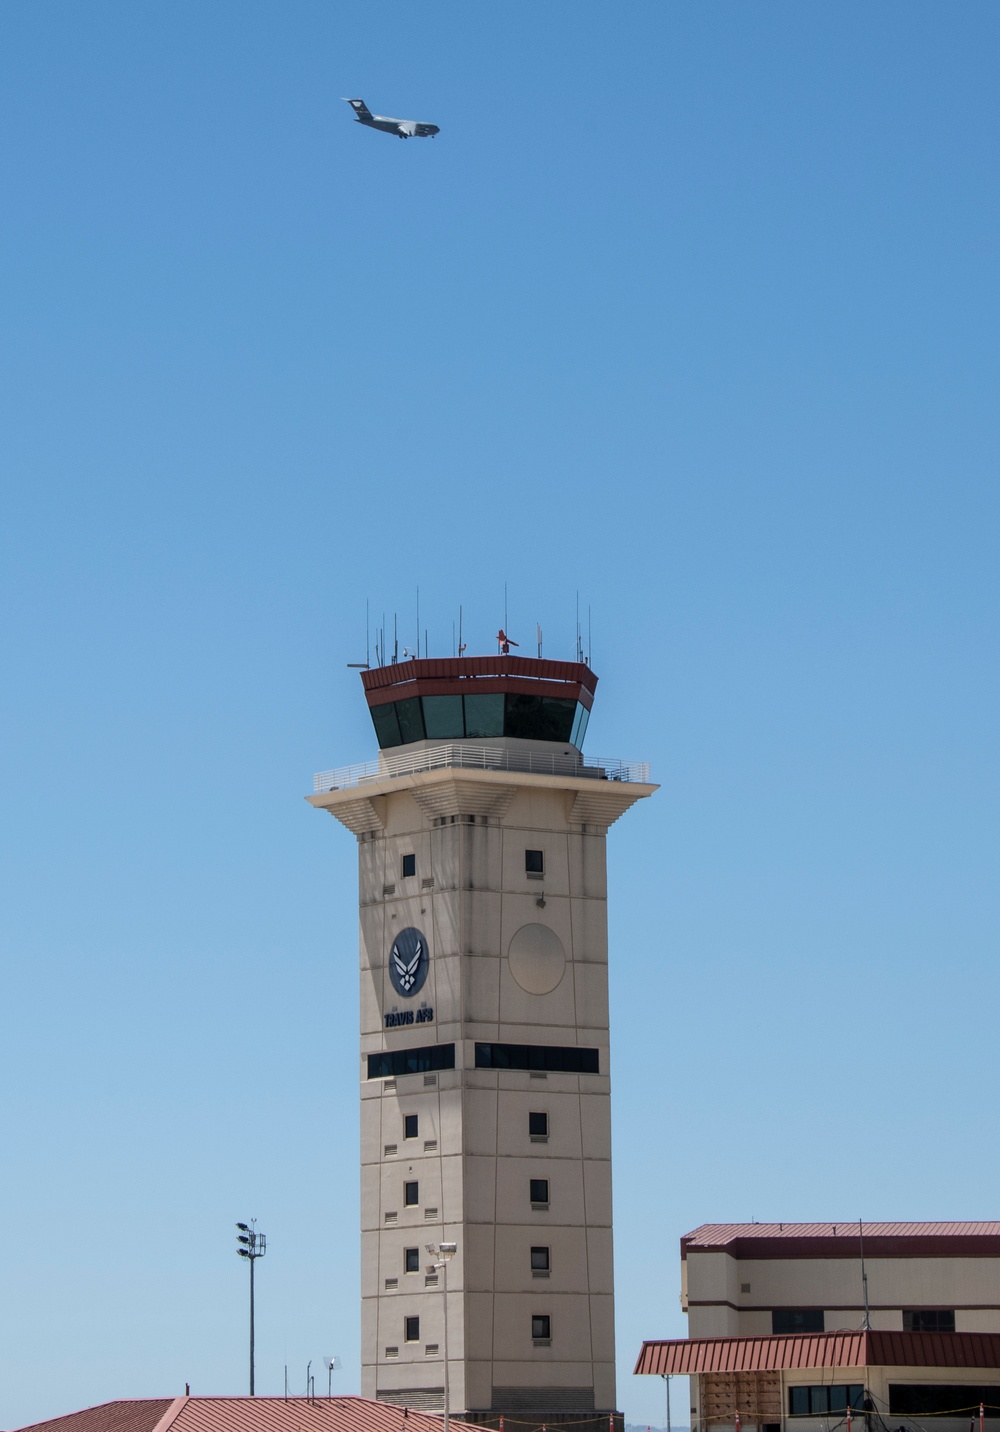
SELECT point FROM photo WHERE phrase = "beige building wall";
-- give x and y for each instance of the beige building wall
(488, 980)
(727, 1296)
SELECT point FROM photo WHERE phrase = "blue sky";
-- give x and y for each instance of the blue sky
(690, 308)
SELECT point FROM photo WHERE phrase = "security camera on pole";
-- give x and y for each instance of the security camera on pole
(252, 1245)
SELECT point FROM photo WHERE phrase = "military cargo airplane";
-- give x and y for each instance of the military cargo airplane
(402, 128)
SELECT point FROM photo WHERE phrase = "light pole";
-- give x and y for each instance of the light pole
(443, 1253)
(332, 1366)
(252, 1245)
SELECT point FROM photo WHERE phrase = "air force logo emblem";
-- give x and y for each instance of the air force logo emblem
(408, 960)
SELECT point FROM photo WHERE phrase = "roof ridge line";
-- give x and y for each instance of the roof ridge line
(172, 1413)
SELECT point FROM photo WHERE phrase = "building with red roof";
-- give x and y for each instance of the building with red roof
(812, 1326)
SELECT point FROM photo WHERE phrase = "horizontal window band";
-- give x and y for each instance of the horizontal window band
(550, 1058)
(526, 1058)
(395, 1062)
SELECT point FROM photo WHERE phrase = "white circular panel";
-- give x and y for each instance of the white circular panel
(537, 959)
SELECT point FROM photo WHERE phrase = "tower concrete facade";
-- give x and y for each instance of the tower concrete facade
(485, 1060)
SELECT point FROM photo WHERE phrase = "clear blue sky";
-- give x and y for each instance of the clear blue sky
(691, 308)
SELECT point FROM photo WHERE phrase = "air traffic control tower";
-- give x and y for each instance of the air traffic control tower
(485, 1060)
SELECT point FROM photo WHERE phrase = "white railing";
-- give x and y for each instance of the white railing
(481, 758)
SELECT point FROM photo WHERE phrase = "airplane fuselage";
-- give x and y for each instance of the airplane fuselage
(401, 128)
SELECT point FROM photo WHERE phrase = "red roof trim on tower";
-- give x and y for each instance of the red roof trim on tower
(820, 1350)
(464, 668)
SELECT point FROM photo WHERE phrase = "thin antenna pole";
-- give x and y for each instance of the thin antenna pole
(368, 660)
(286, 1381)
(538, 633)
(461, 648)
(505, 606)
(590, 648)
(864, 1275)
(425, 644)
(454, 649)
(395, 638)
(418, 623)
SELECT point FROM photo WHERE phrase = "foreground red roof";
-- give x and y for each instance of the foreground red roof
(841, 1240)
(818, 1350)
(247, 1414)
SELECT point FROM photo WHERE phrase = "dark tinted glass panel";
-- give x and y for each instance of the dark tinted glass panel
(484, 715)
(539, 1190)
(540, 1259)
(929, 1320)
(797, 1320)
(386, 725)
(552, 1059)
(411, 1123)
(411, 1260)
(557, 717)
(933, 1399)
(539, 718)
(412, 1329)
(538, 1124)
(411, 1195)
(411, 1061)
(409, 865)
(411, 723)
(580, 720)
(824, 1401)
(534, 862)
(541, 1327)
(443, 718)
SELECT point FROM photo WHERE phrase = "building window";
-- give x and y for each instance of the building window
(412, 1329)
(929, 1320)
(409, 865)
(411, 1260)
(411, 1194)
(538, 1126)
(931, 1399)
(411, 1061)
(797, 1320)
(550, 1058)
(541, 1327)
(534, 862)
(539, 1189)
(824, 1401)
(410, 1126)
(539, 1260)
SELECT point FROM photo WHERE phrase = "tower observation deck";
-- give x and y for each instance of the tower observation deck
(485, 1062)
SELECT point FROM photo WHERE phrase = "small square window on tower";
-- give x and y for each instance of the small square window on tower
(412, 1329)
(538, 1126)
(411, 1194)
(411, 1124)
(539, 1260)
(411, 1260)
(534, 862)
(541, 1327)
(539, 1190)
(409, 865)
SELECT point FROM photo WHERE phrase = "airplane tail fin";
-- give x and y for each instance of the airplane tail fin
(361, 110)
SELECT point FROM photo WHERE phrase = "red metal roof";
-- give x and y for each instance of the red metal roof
(840, 1240)
(818, 1350)
(132, 1416)
(248, 1414)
